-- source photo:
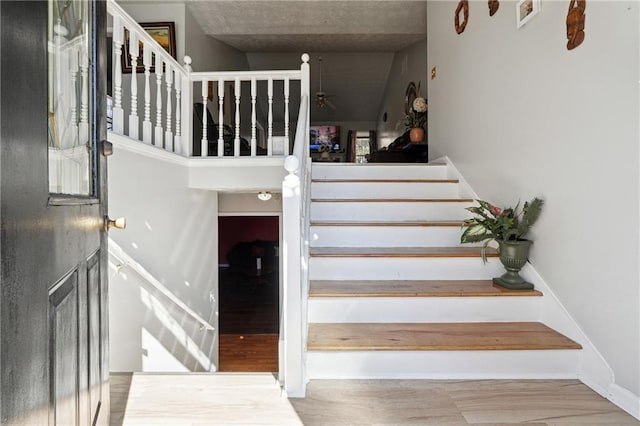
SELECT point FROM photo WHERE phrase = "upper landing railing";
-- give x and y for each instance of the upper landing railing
(162, 113)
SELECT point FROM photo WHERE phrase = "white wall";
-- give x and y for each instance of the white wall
(209, 54)
(409, 64)
(172, 233)
(521, 116)
(248, 203)
(145, 11)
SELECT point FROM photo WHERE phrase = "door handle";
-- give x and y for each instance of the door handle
(107, 148)
(119, 223)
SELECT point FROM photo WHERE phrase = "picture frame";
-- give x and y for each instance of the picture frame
(526, 10)
(162, 32)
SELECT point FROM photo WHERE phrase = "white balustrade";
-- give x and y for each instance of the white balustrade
(133, 115)
(220, 117)
(168, 134)
(146, 124)
(236, 139)
(253, 115)
(118, 112)
(205, 96)
(158, 132)
(173, 97)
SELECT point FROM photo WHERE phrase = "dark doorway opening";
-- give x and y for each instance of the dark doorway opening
(249, 285)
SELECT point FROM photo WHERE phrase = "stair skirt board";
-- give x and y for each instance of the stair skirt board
(423, 309)
(419, 268)
(519, 364)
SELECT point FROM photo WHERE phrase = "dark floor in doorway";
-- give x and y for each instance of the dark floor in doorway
(248, 304)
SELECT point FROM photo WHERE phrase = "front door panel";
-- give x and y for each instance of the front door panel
(53, 282)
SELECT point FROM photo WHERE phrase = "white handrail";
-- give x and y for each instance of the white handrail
(245, 75)
(125, 260)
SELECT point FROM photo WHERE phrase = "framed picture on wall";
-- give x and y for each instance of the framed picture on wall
(526, 10)
(162, 32)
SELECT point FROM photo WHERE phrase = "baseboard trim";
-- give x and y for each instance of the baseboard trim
(625, 399)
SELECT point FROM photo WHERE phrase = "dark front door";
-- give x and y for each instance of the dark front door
(53, 294)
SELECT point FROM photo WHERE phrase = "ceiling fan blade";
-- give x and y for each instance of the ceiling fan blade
(329, 104)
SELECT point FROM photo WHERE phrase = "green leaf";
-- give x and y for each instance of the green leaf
(474, 234)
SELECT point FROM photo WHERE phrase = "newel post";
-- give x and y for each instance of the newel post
(304, 91)
(294, 385)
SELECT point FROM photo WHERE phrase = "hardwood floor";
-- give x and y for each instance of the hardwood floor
(223, 399)
(248, 353)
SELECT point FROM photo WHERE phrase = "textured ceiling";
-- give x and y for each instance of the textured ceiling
(304, 25)
(356, 39)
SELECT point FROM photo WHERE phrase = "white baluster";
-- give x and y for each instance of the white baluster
(158, 141)
(83, 128)
(220, 118)
(253, 116)
(270, 131)
(133, 115)
(204, 141)
(286, 117)
(236, 140)
(118, 112)
(168, 134)
(187, 109)
(146, 123)
(73, 70)
(177, 139)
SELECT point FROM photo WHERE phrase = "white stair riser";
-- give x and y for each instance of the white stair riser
(389, 211)
(389, 190)
(519, 364)
(402, 268)
(423, 309)
(386, 236)
(378, 171)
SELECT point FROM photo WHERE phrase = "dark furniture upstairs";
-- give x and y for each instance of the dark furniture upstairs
(401, 150)
(213, 134)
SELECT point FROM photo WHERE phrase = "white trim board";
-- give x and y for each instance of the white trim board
(593, 369)
(624, 399)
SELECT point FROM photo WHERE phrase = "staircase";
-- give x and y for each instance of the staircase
(393, 294)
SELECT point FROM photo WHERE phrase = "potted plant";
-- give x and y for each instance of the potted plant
(416, 120)
(507, 227)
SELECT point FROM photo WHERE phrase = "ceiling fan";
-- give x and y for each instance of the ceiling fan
(322, 98)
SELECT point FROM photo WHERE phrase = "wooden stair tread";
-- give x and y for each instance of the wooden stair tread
(360, 180)
(436, 337)
(392, 200)
(430, 288)
(400, 252)
(457, 223)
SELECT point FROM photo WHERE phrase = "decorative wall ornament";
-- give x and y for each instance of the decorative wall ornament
(494, 5)
(526, 10)
(575, 23)
(463, 6)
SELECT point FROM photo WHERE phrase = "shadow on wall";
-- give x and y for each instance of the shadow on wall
(157, 334)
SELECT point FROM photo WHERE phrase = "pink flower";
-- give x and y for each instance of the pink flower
(496, 211)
